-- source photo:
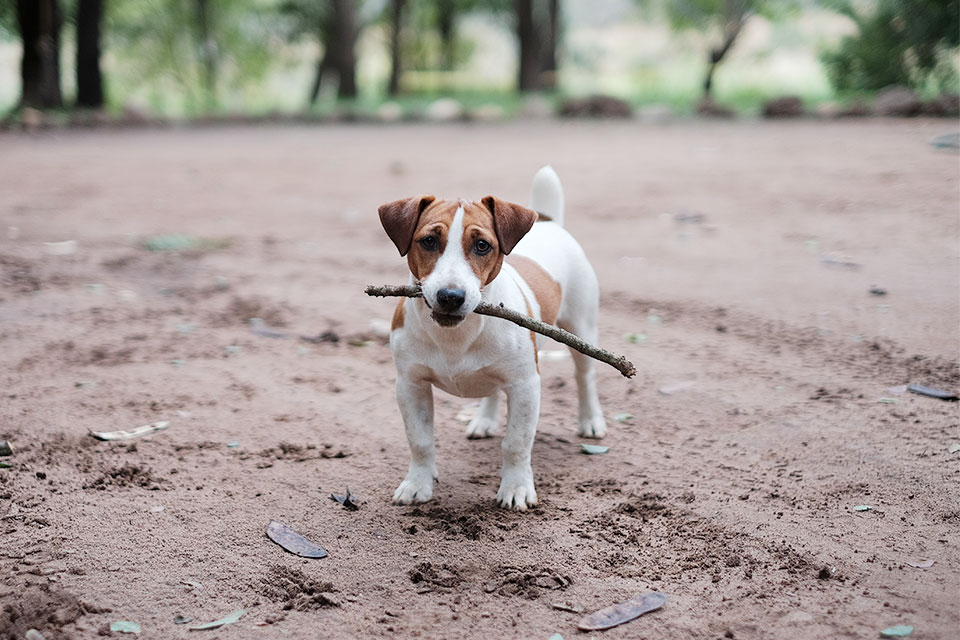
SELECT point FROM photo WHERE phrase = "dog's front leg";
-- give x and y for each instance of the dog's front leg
(516, 477)
(415, 400)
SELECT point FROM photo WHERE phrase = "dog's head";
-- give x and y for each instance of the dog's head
(454, 249)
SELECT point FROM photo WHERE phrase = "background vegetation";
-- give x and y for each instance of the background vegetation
(196, 57)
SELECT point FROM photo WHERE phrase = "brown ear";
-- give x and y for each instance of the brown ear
(399, 219)
(510, 222)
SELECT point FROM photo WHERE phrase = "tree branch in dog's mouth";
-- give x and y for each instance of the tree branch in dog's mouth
(618, 362)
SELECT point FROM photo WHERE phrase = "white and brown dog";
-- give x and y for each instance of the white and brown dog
(455, 251)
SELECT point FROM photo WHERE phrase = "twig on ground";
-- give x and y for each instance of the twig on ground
(620, 363)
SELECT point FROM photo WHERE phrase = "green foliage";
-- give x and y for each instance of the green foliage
(165, 56)
(907, 43)
(8, 20)
(703, 15)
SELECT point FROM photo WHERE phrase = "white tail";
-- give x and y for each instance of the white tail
(546, 194)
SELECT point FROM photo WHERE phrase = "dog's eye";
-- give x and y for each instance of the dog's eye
(481, 247)
(429, 243)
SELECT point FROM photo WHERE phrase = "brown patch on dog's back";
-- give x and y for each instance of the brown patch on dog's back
(546, 289)
(398, 315)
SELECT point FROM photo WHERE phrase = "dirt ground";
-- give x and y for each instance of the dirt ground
(735, 256)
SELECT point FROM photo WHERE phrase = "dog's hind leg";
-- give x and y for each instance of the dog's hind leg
(485, 423)
(591, 423)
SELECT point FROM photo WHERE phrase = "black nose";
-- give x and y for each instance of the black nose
(449, 300)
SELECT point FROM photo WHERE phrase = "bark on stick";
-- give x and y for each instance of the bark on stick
(618, 362)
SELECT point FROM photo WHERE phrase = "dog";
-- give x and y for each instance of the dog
(462, 253)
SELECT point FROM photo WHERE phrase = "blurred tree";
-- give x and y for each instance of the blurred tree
(396, 28)
(89, 77)
(906, 43)
(202, 47)
(207, 47)
(728, 17)
(39, 22)
(334, 26)
(538, 28)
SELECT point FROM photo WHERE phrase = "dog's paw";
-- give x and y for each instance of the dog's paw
(594, 427)
(482, 427)
(416, 487)
(516, 490)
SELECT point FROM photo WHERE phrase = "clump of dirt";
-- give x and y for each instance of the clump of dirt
(296, 590)
(107, 355)
(645, 506)
(46, 609)
(129, 475)
(241, 310)
(17, 275)
(600, 487)
(429, 576)
(302, 453)
(453, 523)
(528, 582)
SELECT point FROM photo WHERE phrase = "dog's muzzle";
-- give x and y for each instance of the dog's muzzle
(446, 313)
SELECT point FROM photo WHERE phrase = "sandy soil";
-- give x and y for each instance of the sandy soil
(739, 256)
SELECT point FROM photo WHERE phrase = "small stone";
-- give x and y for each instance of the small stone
(5, 448)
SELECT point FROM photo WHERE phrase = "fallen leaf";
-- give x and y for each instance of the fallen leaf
(568, 606)
(63, 248)
(931, 392)
(192, 584)
(125, 626)
(676, 387)
(897, 631)
(130, 433)
(635, 338)
(888, 400)
(862, 507)
(593, 449)
(346, 500)
(293, 541)
(216, 624)
(623, 612)
(182, 619)
(624, 417)
(921, 564)
(6, 465)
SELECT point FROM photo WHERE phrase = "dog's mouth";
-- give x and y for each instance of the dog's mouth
(446, 319)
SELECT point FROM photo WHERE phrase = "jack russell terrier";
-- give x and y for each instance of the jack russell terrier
(455, 251)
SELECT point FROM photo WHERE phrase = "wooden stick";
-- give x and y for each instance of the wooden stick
(620, 363)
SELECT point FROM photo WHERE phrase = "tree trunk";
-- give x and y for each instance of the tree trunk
(736, 18)
(345, 59)
(395, 49)
(323, 66)
(89, 77)
(548, 63)
(529, 70)
(208, 52)
(446, 19)
(40, 22)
